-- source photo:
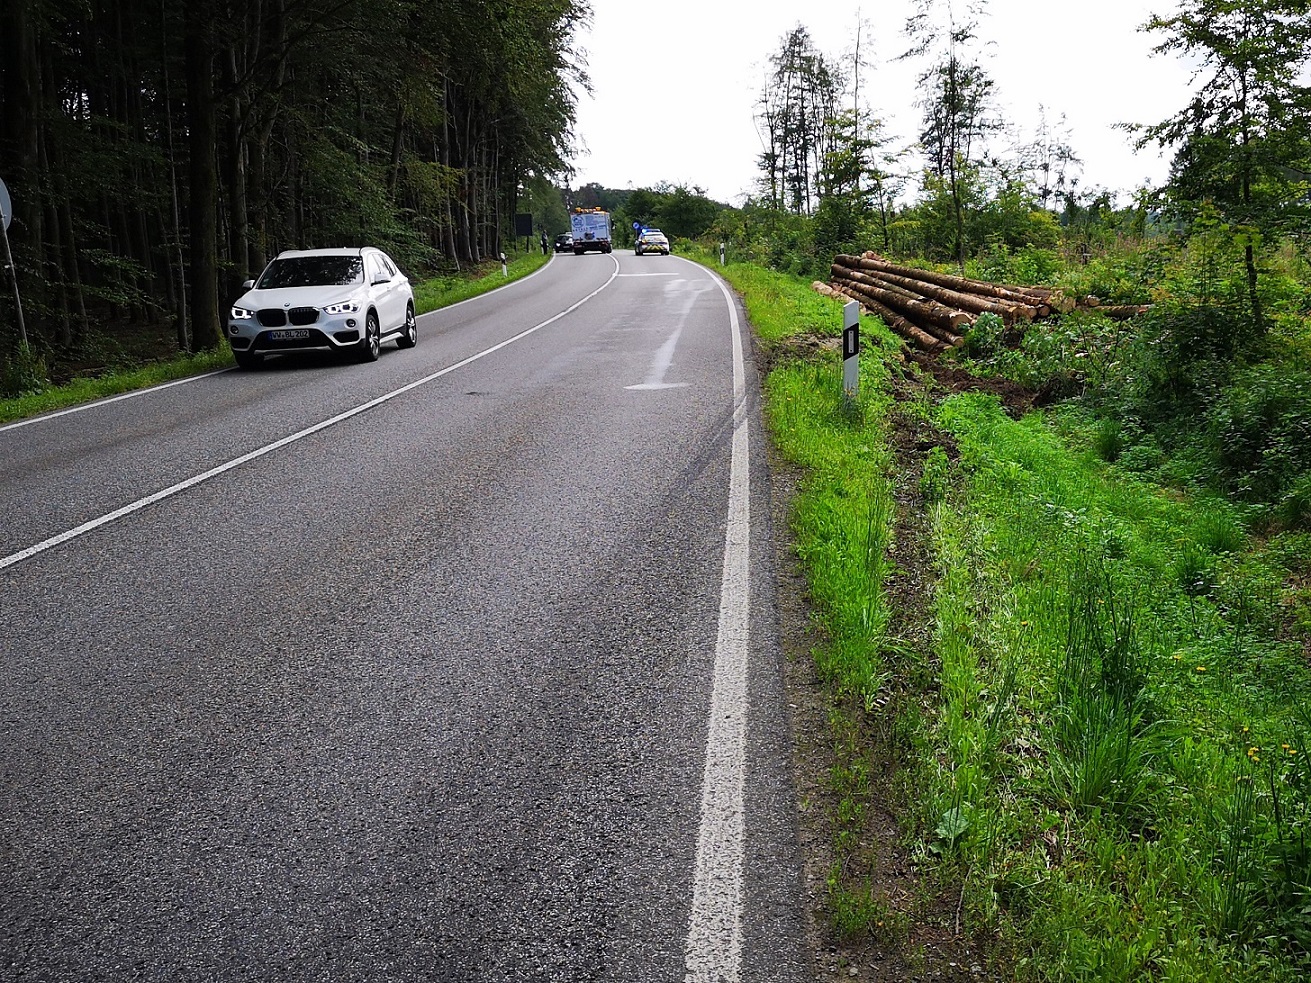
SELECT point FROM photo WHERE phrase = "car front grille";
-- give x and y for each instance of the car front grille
(272, 317)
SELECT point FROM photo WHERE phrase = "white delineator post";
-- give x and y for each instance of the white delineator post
(721, 254)
(851, 350)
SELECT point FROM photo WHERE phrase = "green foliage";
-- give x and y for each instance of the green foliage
(986, 336)
(22, 373)
(1140, 693)
(935, 479)
(1259, 431)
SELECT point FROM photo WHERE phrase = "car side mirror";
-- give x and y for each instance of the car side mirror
(248, 284)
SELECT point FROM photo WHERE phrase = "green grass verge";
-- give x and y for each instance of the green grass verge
(112, 384)
(1112, 763)
(1122, 731)
(444, 291)
(429, 295)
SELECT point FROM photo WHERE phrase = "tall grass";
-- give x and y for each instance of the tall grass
(1132, 836)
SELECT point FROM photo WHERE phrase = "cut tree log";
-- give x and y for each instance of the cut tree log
(921, 312)
(872, 262)
(974, 303)
(1123, 312)
(899, 325)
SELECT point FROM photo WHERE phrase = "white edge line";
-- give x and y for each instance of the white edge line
(504, 286)
(109, 399)
(205, 375)
(714, 940)
(195, 480)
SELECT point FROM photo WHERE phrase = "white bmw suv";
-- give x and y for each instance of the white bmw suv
(345, 300)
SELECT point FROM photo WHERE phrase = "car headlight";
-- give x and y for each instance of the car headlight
(345, 307)
(241, 314)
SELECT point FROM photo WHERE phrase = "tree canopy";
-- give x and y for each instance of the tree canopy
(159, 152)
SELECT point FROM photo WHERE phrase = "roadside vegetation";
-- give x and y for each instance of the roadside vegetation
(1100, 749)
(1060, 577)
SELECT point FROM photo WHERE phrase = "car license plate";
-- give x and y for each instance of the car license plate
(291, 334)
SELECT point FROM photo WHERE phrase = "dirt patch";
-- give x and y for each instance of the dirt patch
(952, 378)
(914, 930)
(804, 346)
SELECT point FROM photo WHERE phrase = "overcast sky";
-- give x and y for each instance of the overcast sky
(676, 83)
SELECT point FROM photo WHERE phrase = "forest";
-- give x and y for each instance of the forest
(159, 152)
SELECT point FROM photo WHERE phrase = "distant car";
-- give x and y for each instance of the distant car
(339, 300)
(564, 242)
(651, 241)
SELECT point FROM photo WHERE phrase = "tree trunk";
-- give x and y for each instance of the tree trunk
(203, 219)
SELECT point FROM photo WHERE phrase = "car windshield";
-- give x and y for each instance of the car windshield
(312, 271)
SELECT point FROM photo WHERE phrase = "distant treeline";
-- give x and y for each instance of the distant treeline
(158, 152)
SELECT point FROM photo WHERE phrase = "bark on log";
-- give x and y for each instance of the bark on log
(922, 312)
(925, 316)
(872, 262)
(974, 303)
(896, 323)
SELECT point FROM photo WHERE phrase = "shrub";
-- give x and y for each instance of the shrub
(25, 372)
(1259, 432)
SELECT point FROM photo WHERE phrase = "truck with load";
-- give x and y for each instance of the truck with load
(591, 230)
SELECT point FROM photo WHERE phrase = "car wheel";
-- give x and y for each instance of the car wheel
(410, 333)
(368, 347)
(248, 360)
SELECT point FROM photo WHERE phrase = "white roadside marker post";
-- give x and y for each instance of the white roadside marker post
(505, 270)
(721, 254)
(851, 351)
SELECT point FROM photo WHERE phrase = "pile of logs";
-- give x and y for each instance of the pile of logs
(933, 311)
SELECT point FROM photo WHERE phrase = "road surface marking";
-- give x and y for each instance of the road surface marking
(655, 379)
(111, 399)
(195, 480)
(714, 937)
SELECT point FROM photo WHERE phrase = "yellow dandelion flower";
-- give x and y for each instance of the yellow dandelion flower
(1178, 657)
(1201, 668)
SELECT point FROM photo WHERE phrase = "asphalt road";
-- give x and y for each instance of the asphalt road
(460, 665)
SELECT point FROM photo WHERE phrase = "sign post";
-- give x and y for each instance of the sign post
(7, 213)
(721, 254)
(851, 350)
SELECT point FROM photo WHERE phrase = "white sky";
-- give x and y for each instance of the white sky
(676, 82)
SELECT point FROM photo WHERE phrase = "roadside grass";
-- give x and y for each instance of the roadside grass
(112, 383)
(429, 295)
(841, 521)
(1112, 764)
(1123, 721)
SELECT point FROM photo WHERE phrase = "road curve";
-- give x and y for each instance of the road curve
(460, 665)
